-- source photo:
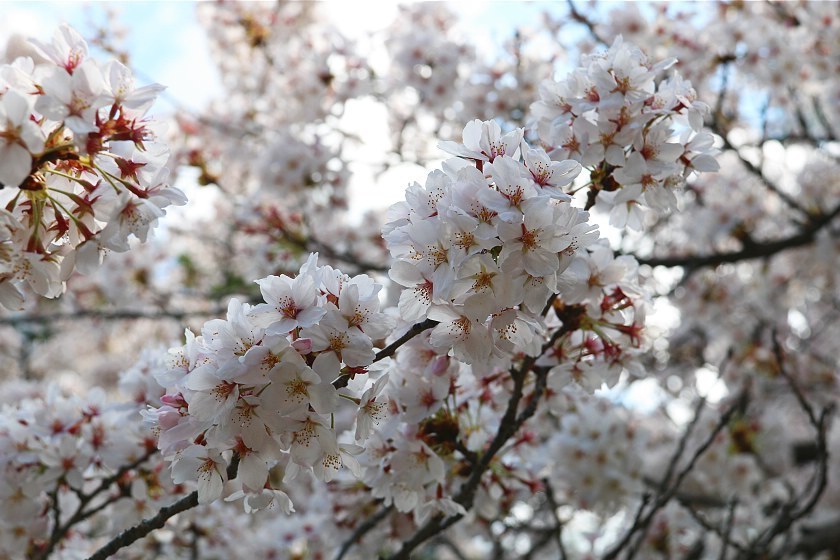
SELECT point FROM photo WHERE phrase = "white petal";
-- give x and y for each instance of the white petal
(15, 164)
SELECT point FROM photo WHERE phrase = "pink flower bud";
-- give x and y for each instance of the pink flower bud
(168, 417)
(175, 401)
(439, 365)
(303, 346)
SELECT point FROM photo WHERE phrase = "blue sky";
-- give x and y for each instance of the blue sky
(164, 39)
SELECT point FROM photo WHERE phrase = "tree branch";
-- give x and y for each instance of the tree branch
(557, 531)
(116, 315)
(642, 522)
(508, 426)
(362, 530)
(59, 530)
(313, 245)
(588, 23)
(805, 236)
(389, 350)
(802, 504)
(129, 536)
(756, 171)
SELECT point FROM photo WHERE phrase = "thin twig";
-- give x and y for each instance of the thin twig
(103, 315)
(727, 528)
(453, 548)
(389, 350)
(708, 526)
(313, 245)
(362, 530)
(588, 23)
(797, 391)
(826, 124)
(724, 84)
(558, 523)
(641, 524)
(675, 458)
(802, 504)
(60, 530)
(758, 173)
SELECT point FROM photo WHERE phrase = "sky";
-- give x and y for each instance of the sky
(164, 39)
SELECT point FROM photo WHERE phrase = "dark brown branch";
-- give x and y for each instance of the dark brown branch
(756, 171)
(508, 426)
(826, 124)
(818, 538)
(707, 525)
(642, 522)
(453, 548)
(754, 250)
(60, 530)
(726, 535)
(542, 542)
(557, 531)
(637, 522)
(797, 390)
(588, 23)
(724, 86)
(129, 536)
(672, 464)
(688, 499)
(313, 245)
(801, 505)
(145, 527)
(804, 503)
(389, 350)
(362, 530)
(787, 139)
(470, 456)
(800, 114)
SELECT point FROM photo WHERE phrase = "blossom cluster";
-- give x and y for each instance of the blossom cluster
(64, 458)
(480, 251)
(603, 290)
(273, 145)
(492, 254)
(598, 452)
(321, 67)
(263, 385)
(794, 68)
(427, 57)
(639, 138)
(479, 247)
(81, 168)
